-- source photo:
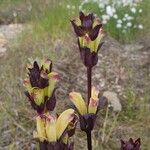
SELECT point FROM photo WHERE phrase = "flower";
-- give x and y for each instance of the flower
(140, 26)
(40, 86)
(87, 114)
(118, 25)
(55, 132)
(88, 29)
(110, 11)
(131, 145)
(133, 10)
(140, 10)
(115, 16)
(129, 24)
(119, 21)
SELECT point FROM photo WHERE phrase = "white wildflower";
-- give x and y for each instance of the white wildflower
(68, 6)
(133, 10)
(109, 10)
(124, 19)
(104, 21)
(119, 21)
(118, 25)
(126, 15)
(105, 17)
(101, 5)
(115, 16)
(140, 26)
(129, 24)
(140, 10)
(129, 18)
(80, 7)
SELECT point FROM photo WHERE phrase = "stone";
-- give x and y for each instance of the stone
(113, 100)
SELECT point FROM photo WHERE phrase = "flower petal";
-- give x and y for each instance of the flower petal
(51, 129)
(40, 126)
(94, 32)
(94, 101)
(51, 102)
(78, 101)
(63, 120)
(53, 79)
(47, 65)
(38, 95)
(77, 29)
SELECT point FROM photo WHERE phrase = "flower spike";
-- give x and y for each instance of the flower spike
(88, 29)
(40, 86)
(55, 132)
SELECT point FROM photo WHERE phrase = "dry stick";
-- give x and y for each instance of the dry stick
(89, 84)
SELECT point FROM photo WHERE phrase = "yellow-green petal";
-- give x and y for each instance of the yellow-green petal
(78, 101)
(53, 79)
(40, 126)
(92, 108)
(38, 95)
(63, 120)
(46, 64)
(51, 129)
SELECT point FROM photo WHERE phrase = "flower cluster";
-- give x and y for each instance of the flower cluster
(87, 114)
(110, 12)
(52, 132)
(40, 86)
(88, 29)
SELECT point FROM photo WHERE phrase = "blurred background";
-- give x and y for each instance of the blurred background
(33, 29)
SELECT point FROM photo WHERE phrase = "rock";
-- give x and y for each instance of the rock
(2, 51)
(113, 100)
(7, 33)
(133, 47)
(3, 40)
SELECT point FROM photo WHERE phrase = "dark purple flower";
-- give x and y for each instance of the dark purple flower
(131, 144)
(88, 29)
(40, 86)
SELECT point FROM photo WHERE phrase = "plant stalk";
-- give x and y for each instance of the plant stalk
(89, 87)
(89, 140)
(89, 82)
